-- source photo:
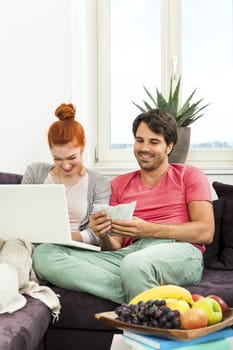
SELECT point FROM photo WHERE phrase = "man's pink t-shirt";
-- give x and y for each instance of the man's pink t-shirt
(166, 202)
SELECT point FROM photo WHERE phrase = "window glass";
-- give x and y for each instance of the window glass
(207, 64)
(135, 60)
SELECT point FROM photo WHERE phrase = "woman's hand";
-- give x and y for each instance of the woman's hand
(100, 224)
(76, 236)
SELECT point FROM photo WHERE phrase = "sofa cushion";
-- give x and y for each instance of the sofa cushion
(212, 252)
(225, 193)
(215, 282)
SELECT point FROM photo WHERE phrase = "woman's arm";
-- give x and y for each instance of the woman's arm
(99, 191)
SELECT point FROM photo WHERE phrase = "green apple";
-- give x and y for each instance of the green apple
(212, 309)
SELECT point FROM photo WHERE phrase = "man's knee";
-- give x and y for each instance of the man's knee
(129, 265)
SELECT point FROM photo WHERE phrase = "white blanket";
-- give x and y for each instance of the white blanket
(17, 278)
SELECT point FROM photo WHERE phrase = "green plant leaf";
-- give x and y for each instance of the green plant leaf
(139, 107)
(161, 102)
(148, 107)
(173, 102)
(186, 104)
(150, 96)
(187, 114)
(191, 114)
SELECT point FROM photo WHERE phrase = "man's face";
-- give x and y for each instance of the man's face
(150, 149)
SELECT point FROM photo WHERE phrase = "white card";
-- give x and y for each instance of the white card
(117, 212)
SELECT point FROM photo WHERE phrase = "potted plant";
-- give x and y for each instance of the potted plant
(185, 115)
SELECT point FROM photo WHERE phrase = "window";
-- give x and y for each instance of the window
(207, 63)
(140, 42)
(133, 61)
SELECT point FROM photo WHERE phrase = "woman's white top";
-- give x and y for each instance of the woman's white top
(76, 201)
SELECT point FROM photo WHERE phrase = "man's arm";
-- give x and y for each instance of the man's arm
(199, 229)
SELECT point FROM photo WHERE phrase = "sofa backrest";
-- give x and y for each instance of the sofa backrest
(213, 250)
(10, 178)
(219, 255)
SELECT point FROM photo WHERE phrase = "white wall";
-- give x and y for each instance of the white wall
(37, 73)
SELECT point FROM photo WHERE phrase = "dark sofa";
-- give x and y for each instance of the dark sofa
(31, 328)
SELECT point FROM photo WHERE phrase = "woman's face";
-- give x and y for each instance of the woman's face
(67, 158)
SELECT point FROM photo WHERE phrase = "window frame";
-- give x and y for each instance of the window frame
(170, 50)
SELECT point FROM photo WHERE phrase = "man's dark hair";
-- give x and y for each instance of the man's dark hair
(160, 122)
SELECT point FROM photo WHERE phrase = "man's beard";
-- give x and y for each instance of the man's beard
(149, 165)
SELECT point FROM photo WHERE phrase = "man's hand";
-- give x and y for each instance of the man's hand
(135, 228)
(100, 224)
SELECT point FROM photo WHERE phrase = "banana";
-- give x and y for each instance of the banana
(176, 304)
(162, 292)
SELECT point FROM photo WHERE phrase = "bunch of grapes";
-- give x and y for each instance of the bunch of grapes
(153, 313)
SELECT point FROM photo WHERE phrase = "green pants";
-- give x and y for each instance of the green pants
(120, 275)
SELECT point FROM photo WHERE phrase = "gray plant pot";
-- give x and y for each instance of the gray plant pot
(180, 151)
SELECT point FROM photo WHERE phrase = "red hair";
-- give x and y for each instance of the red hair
(66, 129)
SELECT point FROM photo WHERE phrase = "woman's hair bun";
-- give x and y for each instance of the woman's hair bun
(65, 111)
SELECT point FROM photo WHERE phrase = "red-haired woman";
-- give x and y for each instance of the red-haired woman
(84, 188)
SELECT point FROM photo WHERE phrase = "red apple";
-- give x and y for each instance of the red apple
(223, 304)
(196, 297)
(193, 318)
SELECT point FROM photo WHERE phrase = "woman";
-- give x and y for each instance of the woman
(84, 188)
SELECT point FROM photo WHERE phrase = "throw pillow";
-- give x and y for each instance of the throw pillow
(225, 192)
(212, 252)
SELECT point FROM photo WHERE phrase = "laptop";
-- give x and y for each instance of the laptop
(38, 214)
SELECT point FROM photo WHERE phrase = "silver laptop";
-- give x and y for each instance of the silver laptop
(38, 214)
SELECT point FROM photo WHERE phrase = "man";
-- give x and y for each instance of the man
(163, 243)
(173, 216)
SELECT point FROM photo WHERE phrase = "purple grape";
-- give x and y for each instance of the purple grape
(153, 313)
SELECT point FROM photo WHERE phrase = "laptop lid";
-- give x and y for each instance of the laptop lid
(36, 213)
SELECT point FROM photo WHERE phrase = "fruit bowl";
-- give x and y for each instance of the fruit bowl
(109, 318)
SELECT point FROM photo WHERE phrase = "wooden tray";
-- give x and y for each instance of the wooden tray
(177, 334)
